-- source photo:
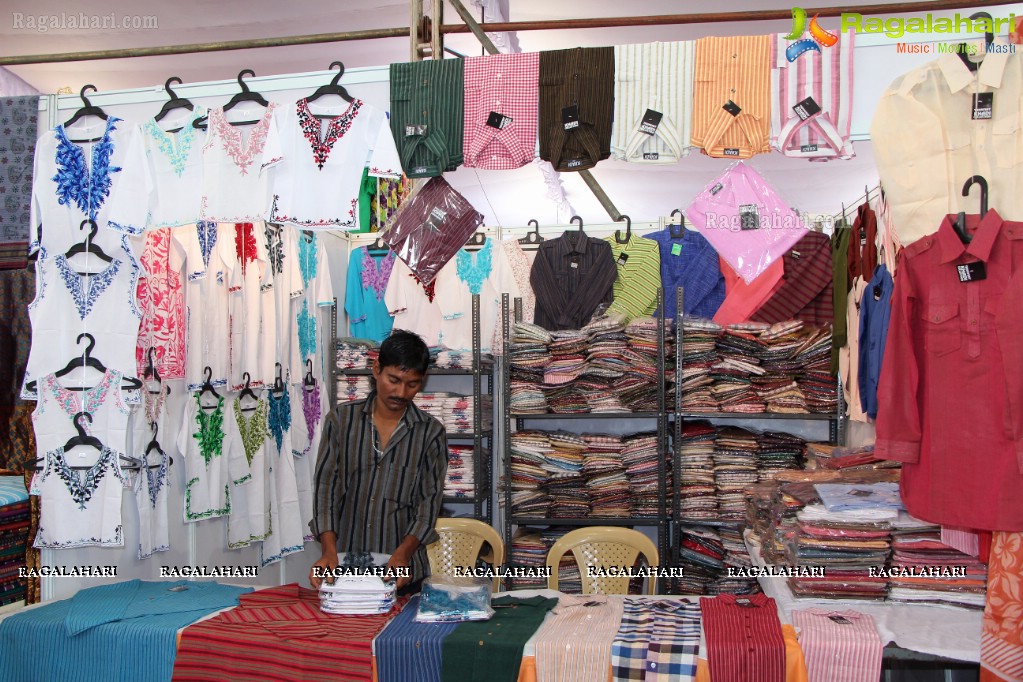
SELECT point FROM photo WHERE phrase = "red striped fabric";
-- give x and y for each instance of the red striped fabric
(806, 288)
(744, 640)
(280, 634)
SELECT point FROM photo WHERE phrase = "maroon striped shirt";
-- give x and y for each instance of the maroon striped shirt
(744, 640)
(806, 288)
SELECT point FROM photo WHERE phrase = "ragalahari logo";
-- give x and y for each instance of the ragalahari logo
(819, 36)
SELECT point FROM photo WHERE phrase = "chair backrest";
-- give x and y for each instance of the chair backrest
(603, 547)
(460, 544)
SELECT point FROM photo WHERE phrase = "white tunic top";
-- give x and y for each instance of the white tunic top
(69, 303)
(250, 287)
(318, 176)
(151, 483)
(310, 311)
(213, 463)
(411, 307)
(175, 164)
(287, 535)
(284, 279)
(235, 184)
(106, 180)
(206, 301)
(56, 406)
(250, 503)
(309, 405)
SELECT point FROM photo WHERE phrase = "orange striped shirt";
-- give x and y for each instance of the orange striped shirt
(733, 72)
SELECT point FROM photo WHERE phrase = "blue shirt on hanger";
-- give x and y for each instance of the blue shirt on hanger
(875, 312)
(692, 263)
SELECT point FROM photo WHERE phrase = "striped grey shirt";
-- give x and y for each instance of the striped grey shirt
(374, 504)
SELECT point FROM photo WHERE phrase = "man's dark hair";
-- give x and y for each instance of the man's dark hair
(405, 350)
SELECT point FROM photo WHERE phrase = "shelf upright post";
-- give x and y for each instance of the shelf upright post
(506, 426)
(676, 445)
(332, 353)
(663, 527)
(477, 414)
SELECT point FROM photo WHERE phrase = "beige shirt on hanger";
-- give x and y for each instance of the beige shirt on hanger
(927, 143)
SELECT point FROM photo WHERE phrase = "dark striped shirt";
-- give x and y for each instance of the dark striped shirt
(374, 504)
(427, 104)
(571, 276)
(582, 77)
(805, 292)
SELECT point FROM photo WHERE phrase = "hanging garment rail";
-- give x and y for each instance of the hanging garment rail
(404, 31)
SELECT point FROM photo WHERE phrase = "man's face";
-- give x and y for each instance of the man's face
(396, 387)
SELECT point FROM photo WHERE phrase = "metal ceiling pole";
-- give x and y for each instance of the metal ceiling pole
(549, 25)
(488, 45)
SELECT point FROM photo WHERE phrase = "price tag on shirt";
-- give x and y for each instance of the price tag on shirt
(841, 620)
(574, 163)
(499, 121)
(436, 219)
(983, 105)
(807, 108)
(972, 272)
(732, 108)
(676, 249)
(805, 148)
(623, 259)
(651, 156)
(731, 151)
(412, 131)
(716, 188)
(570, 117)
(749, 217)
(651, 119)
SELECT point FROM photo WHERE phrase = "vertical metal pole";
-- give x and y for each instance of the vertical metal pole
(477, 413)
(506, 432)
(676, 445)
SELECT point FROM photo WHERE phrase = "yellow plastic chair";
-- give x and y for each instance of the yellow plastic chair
(461, 543)
(603, 547)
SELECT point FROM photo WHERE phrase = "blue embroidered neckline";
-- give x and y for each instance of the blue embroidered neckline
(307, 258)
(177, 146)
(88, 189)
(98, 283)
(206, 231)
(306, 331)
(475, 272)
(279, 416)
(81, 490)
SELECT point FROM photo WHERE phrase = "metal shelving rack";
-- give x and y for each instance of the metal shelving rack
(836, 435)
(660, 521)
(483, 468)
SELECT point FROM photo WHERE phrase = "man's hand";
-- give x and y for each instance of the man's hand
(401, 560)
(328, 561)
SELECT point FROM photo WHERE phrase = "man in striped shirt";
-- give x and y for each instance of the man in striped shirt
(379, 478)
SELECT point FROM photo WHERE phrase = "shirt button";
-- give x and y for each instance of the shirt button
(481, 642)
(424, 81)
(735, 56)
(497, 103)
(575, 76)
(425, 113)
(498, 76)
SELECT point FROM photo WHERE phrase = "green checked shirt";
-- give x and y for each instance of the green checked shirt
(427, 106)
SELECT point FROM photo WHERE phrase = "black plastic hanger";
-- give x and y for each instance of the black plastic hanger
(378, 246)
(331, 88)
(173, 103)
(88, 245)
(628, 230)
(154, 444)
(960, 222)
(88, 109)
(309, 380)
(533, 236)
(681, 224)
(82, 438)
(989, 38)
(86, 360)
(247, 391)
(152, 371)
(476, 242)
(245, 95)
(278, 379)
(207, 385)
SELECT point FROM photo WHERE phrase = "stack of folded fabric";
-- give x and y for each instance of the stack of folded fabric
(736, 557)
(701, 556)
(924, 570)
(354, 353)
(699, 355)
(824, 456)
(778, 452)
(459, 481)
(568, 358)
(14, 525)
(735, 469)
(459, 359)
(529, 451)
(640, 456)
(447, 599)
(457, 413)
(567, 399)
(606, 481)
(569, 497)
(432, 402)
(847, 544)
(815, 379)
(696, 476)
(529, 549)
(528, 356)
(352, 595)
(350, 388)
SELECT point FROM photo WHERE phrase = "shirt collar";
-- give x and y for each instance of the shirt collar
(412, 413)
(983, 237)
(959, 76)
(575, 242)
(758, 599)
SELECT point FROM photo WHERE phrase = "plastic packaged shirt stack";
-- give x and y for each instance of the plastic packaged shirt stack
(352, 595)
(450, 599)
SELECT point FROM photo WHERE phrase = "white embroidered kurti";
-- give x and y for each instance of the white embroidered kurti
(83, 295)
(310, 312)
(161, 298)
(251, 294)
(278, 308)
(175, 164)
(287, 535)
(521, 262)
(213, 463)
(106, 180)
(206, 301)
(411, 306)
(309, 405)
(485, 272)
(150, 483)
(317, 179)
(235, 182)
(250, 502)
(56, 406)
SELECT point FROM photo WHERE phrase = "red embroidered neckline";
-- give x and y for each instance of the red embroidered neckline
(336, 129)
(244, 244)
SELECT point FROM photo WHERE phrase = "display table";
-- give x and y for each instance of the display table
(947, 632)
